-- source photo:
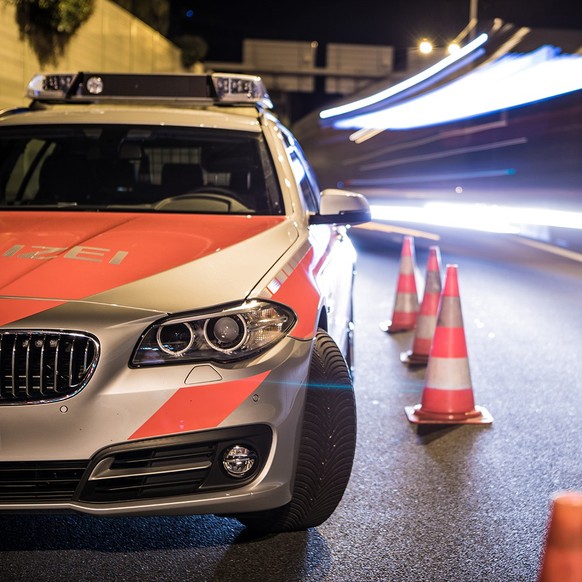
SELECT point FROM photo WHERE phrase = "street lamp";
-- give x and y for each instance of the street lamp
(469, 30)
(472, 18)
(425, 46)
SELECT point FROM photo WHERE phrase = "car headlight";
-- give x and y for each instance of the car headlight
(223, 335)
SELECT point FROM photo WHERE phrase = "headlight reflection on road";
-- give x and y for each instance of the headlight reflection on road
(482, 217)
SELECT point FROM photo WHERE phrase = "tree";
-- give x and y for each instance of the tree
(194, 49)
(155, 13)
(49, 25)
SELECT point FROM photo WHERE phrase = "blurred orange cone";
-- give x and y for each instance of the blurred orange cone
(562, 559)
(427, 316)
(406, 301)
(447, 397)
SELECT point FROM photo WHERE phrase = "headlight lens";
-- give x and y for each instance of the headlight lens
(225, 335)
(175, 339)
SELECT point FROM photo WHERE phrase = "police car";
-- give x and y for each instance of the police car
(175, 305)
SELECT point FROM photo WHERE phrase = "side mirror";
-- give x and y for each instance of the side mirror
(341, 207)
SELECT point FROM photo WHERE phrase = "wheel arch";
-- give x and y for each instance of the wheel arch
(322, 321)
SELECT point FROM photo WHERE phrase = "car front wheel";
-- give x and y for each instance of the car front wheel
(327, 446)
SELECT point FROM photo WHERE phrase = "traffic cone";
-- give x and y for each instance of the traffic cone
(406, 300)
(562, 559)
(427, 316)
(447, 397)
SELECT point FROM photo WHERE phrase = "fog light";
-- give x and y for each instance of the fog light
(239, 461)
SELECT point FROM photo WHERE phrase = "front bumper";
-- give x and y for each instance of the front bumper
(153, 473)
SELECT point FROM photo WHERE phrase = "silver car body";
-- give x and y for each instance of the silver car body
(109, 276)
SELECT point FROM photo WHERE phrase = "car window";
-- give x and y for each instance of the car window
(302, 171)
(157, 169)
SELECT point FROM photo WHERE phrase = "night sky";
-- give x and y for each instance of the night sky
(398, 23)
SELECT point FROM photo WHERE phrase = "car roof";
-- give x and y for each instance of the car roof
(234, 118)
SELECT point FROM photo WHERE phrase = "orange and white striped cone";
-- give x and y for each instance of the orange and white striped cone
(406, 301)
(447, 396)
(562, 559)
(427, 316)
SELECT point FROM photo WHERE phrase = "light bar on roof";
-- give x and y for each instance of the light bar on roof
(50, 86)
(234, 88)
(90, 87)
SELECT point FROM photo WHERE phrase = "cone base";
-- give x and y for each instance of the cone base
(390, 327)
(411, 358)
(479, 415)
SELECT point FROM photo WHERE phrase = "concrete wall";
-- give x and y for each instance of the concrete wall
(112, 41)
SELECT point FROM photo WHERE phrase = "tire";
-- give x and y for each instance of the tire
(326, 450)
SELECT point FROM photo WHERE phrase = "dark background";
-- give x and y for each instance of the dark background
(398, 23)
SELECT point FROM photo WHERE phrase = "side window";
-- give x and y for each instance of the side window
(302, 171)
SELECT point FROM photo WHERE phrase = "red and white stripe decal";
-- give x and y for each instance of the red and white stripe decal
(296, 286)
(199, 407)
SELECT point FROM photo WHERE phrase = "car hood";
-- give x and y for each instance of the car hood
(166, 263)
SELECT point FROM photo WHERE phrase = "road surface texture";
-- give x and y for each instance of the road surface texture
(461, 503)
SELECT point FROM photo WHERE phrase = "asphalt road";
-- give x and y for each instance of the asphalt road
(462, 503)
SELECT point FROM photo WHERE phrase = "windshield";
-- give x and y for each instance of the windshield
(149, 169)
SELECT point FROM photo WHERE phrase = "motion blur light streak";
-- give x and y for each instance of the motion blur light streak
(444, 154)
(482, 217)
(375, 182)
(572, 255)
(511, 81)
(473, 217)
(391, 229)
(407, 84)
(411, 144)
